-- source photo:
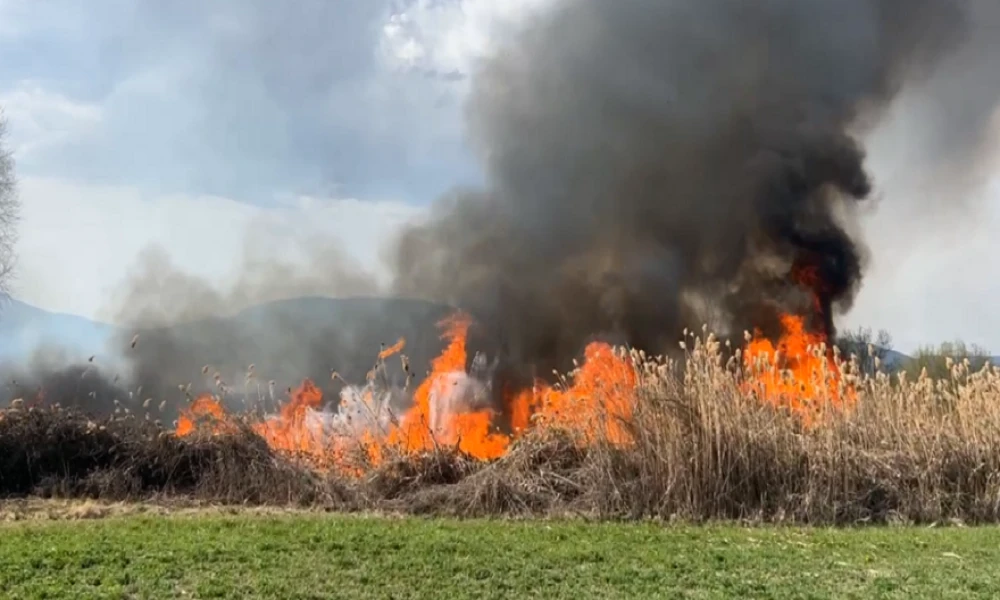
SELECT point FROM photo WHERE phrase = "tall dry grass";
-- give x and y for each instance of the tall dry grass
(706, 447)
(702, 445)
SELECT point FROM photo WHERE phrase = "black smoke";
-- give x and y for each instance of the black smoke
(649, 162)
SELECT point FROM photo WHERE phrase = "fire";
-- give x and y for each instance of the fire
(393, 349)
(458, 407)
(205, 413)
(597, 404)
(450, 408)
(433, 421)
(290, 430)
(799, 370)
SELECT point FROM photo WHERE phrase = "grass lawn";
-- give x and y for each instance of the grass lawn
(315, 556)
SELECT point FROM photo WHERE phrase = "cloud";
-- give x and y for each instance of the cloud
(20, 19)
(139, 124)
(935, 159)
(251, 99)
(241, 99)
(80, 242)
(447, 39)
(42, 120)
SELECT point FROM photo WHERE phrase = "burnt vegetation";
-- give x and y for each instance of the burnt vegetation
(55, 453)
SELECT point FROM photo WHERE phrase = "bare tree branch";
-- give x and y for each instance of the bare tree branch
(10, 212)
(871, 350)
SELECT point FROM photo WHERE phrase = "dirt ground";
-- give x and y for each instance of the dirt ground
(43, 509)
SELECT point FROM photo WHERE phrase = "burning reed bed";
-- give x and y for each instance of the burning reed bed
(700, 442)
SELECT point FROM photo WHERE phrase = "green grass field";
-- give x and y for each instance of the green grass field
(315, 556)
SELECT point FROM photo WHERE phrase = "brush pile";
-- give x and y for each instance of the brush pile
(56, 453)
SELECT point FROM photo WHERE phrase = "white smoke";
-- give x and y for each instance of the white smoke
(373, 409)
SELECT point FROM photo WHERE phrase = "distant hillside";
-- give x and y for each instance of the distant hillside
(362, 321)
(894, 360)
(24, 328)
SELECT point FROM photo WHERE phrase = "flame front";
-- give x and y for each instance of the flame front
(799, 370)
(443, 412)
(453, 408)
(290, 430)
(597, 403)
(204, 413)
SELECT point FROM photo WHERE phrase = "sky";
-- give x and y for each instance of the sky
(189, 126)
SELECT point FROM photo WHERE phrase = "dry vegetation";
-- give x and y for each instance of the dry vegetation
(702, 448)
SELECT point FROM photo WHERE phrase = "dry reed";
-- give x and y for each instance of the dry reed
(702, 446)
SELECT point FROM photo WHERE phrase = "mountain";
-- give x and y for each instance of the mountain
(894, 359)
(25, 328)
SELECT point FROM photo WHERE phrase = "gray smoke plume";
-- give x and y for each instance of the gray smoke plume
(249, 339)
(651, 161)
(289, 320)
(51, 375)
(156, 293)
(939, 144)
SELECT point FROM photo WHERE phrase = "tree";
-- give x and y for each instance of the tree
(935, 359)
(9, 211)
(868, 348)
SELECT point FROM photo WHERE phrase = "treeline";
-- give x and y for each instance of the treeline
(875, 352)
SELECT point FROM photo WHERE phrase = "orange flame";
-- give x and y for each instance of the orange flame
(432, 422)
(453, 409)
(393, 349)
(288, 431)
(796, 371)
(205, 413)
(799, 371)
(450, 409)
(597, 403)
